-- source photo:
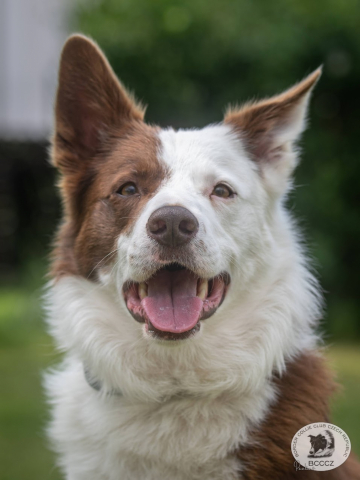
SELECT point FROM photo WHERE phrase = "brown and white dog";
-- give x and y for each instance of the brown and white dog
(180, 292)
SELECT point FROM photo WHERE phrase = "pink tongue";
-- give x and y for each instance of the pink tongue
(172, 304)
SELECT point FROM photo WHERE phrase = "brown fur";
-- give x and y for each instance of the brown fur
(100, 143)
(134, 159)
(257, 122)
(303, 397)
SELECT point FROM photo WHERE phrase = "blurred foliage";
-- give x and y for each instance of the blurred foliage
(188, 60)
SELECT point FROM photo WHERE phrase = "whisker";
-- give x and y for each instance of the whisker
(101, 262)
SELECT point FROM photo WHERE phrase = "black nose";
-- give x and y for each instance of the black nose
(172, 226)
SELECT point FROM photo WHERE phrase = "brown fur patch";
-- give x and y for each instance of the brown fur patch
(91, 230)
(257, 122)
(303, 397)
(100, 143)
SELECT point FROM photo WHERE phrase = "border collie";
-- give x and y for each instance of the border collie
(180, 291)
(322, 445)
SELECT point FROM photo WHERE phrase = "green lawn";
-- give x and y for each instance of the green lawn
(26, 350)
(345, 359)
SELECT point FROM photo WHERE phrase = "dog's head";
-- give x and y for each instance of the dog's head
(322, 443)
(178, 225)
(317, 442)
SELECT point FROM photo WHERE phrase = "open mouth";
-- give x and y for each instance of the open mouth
(172, 302)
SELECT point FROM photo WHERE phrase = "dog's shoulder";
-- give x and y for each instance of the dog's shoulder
(303, 394)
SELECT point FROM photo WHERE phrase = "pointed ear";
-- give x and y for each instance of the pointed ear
(90, 103)
(270, 129)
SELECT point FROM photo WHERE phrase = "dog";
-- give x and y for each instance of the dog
(322, 445)
(180, 291)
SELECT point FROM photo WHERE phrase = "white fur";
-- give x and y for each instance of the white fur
(185, 407)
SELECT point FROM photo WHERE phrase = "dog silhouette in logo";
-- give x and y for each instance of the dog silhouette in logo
(322, 445)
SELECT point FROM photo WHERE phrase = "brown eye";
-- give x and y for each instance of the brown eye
(128, 189)
(222, 191)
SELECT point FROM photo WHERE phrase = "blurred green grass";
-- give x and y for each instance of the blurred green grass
(26, 350)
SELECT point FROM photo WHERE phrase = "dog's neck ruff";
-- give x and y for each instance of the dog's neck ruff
(97, 385)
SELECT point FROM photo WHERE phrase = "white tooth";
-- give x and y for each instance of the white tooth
(143, 291)
(202, 289)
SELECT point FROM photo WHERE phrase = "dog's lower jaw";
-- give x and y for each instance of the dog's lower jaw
(182, 437)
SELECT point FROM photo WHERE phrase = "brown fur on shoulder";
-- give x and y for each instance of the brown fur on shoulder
(303, 397)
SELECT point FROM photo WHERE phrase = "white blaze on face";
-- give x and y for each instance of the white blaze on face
(198, 160)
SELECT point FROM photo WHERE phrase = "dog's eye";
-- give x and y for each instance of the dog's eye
(222, 191)
(128, 189)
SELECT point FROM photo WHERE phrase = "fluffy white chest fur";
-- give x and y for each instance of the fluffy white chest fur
(173, 414)
(122, 438)
(179, 284)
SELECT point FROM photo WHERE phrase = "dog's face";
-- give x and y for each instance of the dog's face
(322, 444)
(188, 218)
(318, 442)
(178, 225)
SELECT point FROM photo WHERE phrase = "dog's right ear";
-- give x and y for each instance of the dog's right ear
(90, 104)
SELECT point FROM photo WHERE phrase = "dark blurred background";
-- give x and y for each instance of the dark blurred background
(187, 60)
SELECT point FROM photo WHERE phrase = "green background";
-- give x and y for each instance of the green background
(188, 60)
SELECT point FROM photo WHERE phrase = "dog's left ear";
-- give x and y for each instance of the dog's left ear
(270, 129)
